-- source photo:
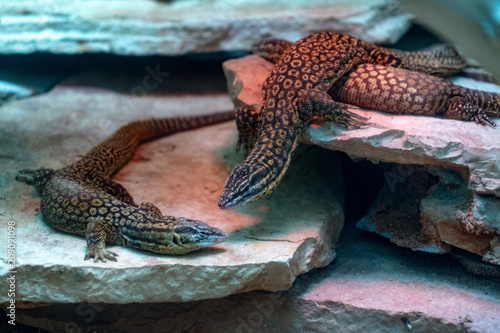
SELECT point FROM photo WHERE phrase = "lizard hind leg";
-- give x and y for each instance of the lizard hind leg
(98, 231)
(460, 108)
(37, 178)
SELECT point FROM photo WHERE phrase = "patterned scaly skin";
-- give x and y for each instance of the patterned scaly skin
(82, 199)
(397, 91)
(294, 94)
(400, 91)
(441, 60)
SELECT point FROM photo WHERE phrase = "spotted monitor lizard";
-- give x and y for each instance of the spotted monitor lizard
(296, 92)
(81, 198)
(401, 91)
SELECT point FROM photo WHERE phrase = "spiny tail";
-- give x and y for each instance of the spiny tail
(488, 101)
(117, 150)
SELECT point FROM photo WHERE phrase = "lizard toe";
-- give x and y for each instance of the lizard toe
(482, 119)
(100, 254)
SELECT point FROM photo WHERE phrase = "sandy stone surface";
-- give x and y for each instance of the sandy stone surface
(151, 27)
(460, 208)
(269, 244)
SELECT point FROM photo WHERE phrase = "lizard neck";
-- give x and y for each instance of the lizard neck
(263, 169)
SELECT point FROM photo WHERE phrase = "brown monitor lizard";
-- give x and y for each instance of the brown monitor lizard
(81, 198)
(396, 91)
(295, 93)
(401, 91)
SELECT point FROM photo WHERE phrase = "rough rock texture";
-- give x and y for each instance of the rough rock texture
(10, 91)
(148, 27)
(440, 211)
(269, 243)
(459, 205)
(370, 287)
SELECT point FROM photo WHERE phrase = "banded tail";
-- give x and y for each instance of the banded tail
(117, 150)
(440, 60)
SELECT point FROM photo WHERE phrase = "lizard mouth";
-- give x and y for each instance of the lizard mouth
(228, 200)
(213, 240)
(223, 204)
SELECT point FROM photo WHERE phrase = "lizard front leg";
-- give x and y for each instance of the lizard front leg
(98, 231)
(318, 104)
(247, 122)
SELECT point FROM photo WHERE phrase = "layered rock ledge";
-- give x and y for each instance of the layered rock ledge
(459, 205)
(370, 287)
(151, 27)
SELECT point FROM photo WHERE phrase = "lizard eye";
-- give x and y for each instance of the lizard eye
(245, 187)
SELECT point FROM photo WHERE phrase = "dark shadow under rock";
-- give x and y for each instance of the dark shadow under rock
(396, 212)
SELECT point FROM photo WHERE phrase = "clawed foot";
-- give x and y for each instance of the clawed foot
(100, 254)
(351, 120)
(481, 118)
(26, 175)
(247, 141)
(38, 177)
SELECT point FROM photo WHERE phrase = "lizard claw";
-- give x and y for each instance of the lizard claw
(481, 118)
(25, 175)
(100, 254)
(247, 141)
(351, 120)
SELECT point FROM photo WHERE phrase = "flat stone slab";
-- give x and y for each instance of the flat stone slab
(370, 287)
(269, 244)
(466, 217)
(151, 27)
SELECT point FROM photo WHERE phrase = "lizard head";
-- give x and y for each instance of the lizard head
(246, 183)
(177, 235)
(190, 235)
